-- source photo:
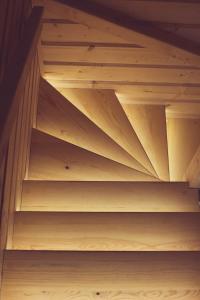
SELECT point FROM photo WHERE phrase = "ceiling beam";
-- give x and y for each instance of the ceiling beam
(100, 17)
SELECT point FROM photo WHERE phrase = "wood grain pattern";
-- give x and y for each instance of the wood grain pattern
(59, 117)
(90, 52)
(14, 17)
(106, 231)
(62, 33)
(183, 141)
(192, 172)
(104, 109)
(108, 197)
(120, 73)
(90, 276)
(54, 159)
(120, 24)
(149, 123)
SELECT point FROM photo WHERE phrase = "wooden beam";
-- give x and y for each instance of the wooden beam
(94, 275)
(16, 74)
(106, 231)
(108, 197)
(100, 17)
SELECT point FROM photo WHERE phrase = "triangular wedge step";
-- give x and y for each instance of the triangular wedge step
(149, 123)
(109, 197)
(59, 117)
(31, 275)
(104, 109)
(183, 141)
(54, 159)
(106, 231)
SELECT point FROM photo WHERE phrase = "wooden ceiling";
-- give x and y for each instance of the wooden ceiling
(146, 51)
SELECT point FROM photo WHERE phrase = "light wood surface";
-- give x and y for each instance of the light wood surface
(192, 173)
(59, 117)
(54, 159)
(107, 72)
(106, 52)
(91, 276)
(101, 18)
(13, 17)
(108, 197)
(104, 109)
(88, 48)
(106, 231)
(183, 141)
(149, 123)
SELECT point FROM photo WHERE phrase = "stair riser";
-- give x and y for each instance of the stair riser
(107, 231)
(108, 197)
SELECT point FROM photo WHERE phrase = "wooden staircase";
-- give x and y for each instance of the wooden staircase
(96, 219)
(97, 170)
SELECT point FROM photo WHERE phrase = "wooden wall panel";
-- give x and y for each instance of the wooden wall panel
(19, 146)
(14, 17)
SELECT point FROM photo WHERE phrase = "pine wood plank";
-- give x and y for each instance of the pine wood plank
(115, 276)
(54, 159)
(149, 123)
(183, 141)
(106, 231)
(99, 72)
(192, 172)
(108, 197)
(120, 24)
(90, 276)
(90, 52)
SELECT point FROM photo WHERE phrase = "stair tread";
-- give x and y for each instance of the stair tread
(105, 110)
(149, 123)
(77, 128)
(54, 159)
(106, 231)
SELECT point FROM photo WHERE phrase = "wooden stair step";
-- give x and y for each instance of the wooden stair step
(31, 275)
(105, 110)
(149, 123)
(183, 141)
(54, 159)
(59, 117)
(106, 231)
(108, 197)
